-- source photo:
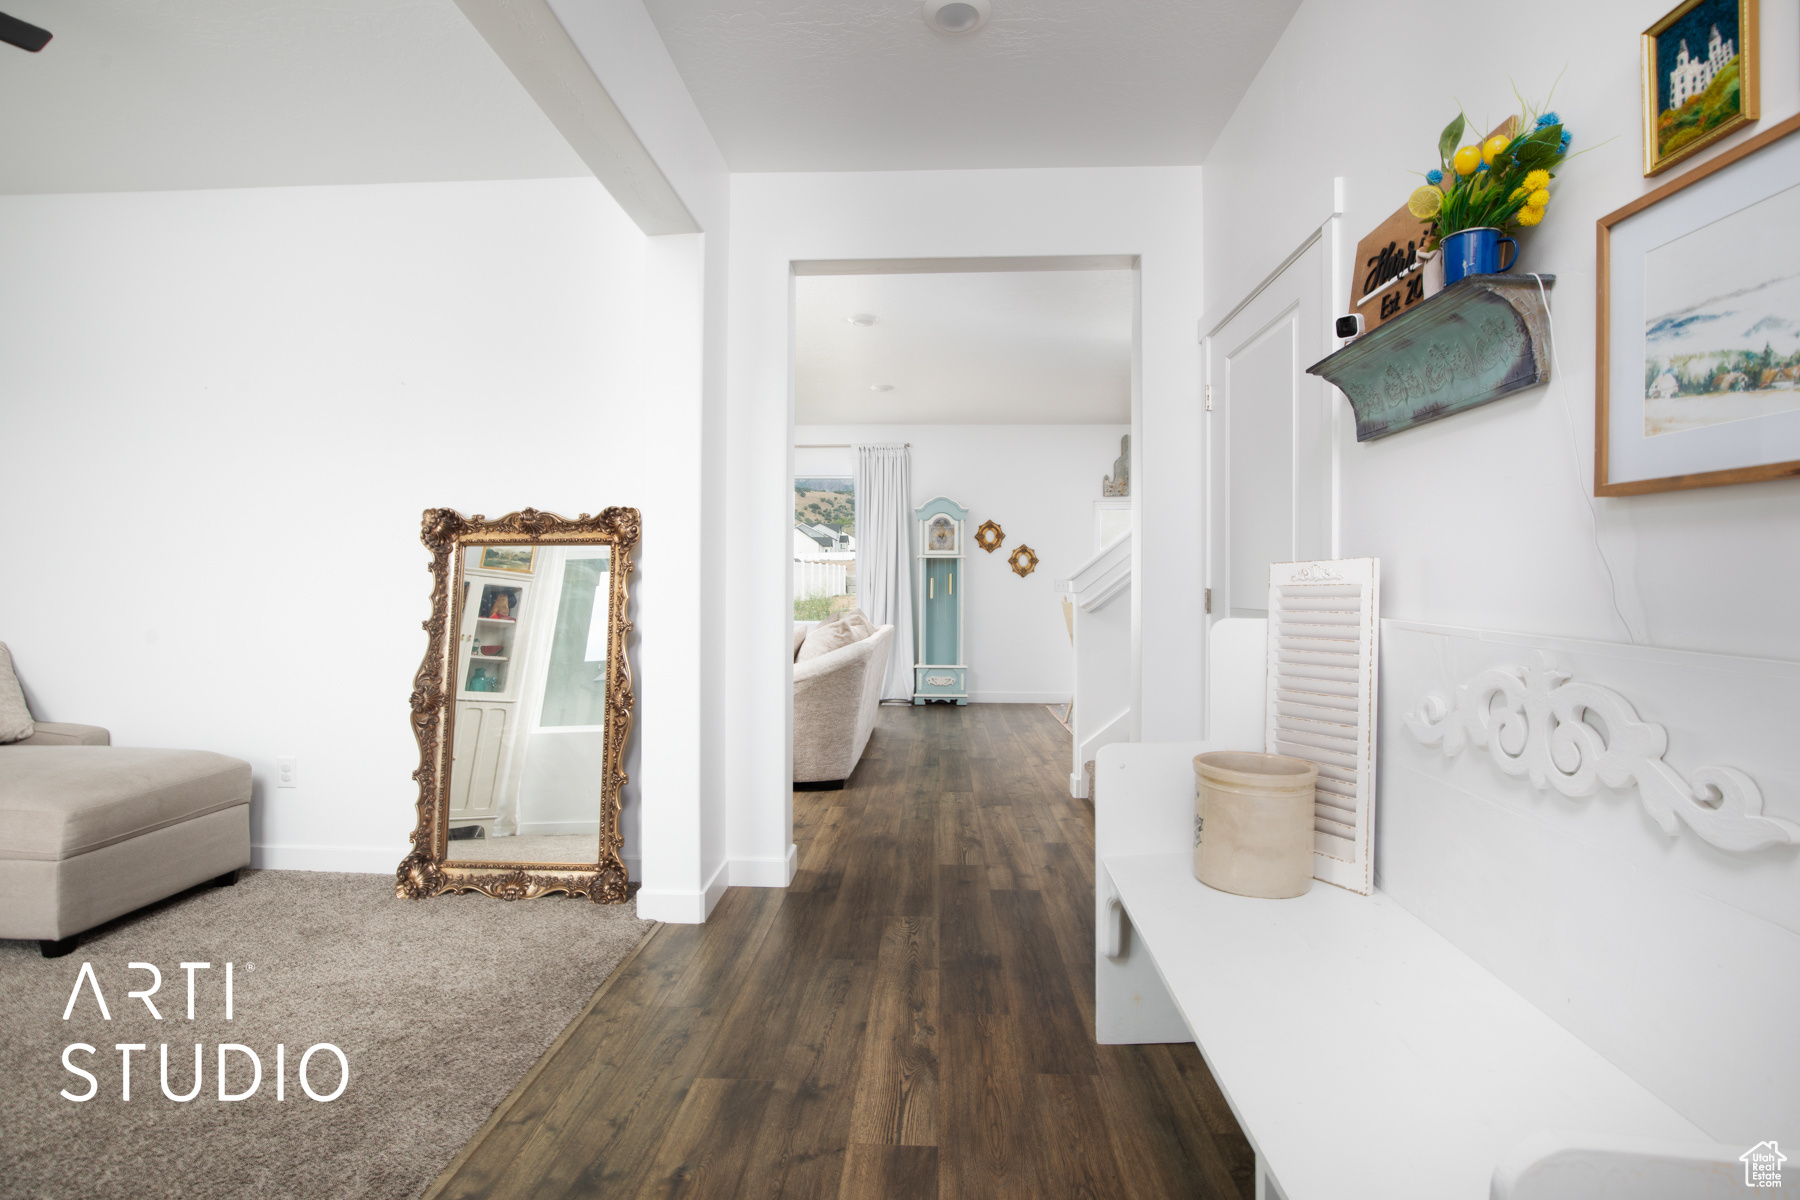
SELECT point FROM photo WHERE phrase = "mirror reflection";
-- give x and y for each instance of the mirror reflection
(529, 737)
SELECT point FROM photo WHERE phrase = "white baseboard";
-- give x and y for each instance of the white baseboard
(1018, 697)
(684, 908)
(677, 908)
(364, 860)
(715, 887)
(558, 828)
(692, 908)
(765, 872)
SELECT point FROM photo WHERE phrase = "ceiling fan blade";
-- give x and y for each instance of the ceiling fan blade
(22, 34)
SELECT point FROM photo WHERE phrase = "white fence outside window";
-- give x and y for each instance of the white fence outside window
(821, 577)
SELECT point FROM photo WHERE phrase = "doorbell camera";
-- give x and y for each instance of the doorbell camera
(1350, 326)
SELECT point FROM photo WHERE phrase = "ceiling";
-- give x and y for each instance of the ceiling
(866, 85)
(164, 94)
(1029, 347)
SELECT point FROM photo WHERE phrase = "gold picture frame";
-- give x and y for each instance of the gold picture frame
(989, 536)
(428, 869)
(1023, 561)
(505, 558)
(1672, 71)
(1633, 303)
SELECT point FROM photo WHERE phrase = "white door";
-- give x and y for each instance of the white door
(1269, 435)
(487, 697)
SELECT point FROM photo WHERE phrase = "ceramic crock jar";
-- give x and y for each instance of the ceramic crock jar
(1253, 823)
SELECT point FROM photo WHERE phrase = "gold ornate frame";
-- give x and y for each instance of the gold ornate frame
(1023, 561)
(427, 870)
(1749, 85)
(989, 536)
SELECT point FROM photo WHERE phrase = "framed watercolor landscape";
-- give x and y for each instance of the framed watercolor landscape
(1700, 78)
(517, 559)
(1697, 379)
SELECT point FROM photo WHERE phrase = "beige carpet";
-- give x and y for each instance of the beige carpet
(440, 1005)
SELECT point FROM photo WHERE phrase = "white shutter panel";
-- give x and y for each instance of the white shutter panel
(1321, 707)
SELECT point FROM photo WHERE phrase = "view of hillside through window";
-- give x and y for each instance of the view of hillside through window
(824, 546)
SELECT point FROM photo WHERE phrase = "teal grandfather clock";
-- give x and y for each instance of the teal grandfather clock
(940, 673)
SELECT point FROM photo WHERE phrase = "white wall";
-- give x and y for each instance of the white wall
(1479, 520)
(1676, 960)
(1152, 212)
(225, 412)
(1622, 933)
(266, 349)
(1038, 482)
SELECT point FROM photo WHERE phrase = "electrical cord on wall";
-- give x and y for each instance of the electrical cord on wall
(1612, 584)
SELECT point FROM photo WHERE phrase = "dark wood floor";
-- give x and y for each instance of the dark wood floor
(912, 1018)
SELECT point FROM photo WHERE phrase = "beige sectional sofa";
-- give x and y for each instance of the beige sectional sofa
(837, 696)
(90, 831)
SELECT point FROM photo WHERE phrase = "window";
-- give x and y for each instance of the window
(575, 687)
(824, 546)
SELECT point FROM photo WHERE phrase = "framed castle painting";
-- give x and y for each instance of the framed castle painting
(1699, 78)
(1697, 375)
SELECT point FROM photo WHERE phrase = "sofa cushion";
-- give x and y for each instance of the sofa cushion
(832, 635)
(837, 697)
(60, 801)
(857, 620)
(15, 718)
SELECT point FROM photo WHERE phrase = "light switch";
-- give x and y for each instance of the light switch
(285, 771)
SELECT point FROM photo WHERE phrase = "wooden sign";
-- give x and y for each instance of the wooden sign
(1390, 275)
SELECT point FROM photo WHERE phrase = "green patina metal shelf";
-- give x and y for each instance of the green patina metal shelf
(1481, 338)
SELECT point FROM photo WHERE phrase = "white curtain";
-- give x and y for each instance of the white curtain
(884, 555)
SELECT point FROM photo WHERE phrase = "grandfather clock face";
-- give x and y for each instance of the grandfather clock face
(941, 535)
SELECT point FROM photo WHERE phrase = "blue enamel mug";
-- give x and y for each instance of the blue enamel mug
(1476, 252)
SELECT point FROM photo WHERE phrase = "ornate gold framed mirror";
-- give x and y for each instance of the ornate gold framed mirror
(522, 706)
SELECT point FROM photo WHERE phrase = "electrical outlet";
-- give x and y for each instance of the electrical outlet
(286, 769)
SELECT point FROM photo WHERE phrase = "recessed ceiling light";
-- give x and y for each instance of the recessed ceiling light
(955, 16)
(861, 319)
(881, 387)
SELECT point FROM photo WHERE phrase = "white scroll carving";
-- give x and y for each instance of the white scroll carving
(940, 680)
(1317, 572)
(1539, 727)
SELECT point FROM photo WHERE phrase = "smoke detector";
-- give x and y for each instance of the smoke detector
(955, 16)
(863, 319)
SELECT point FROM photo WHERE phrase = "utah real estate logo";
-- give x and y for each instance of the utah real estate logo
(1762, 1165)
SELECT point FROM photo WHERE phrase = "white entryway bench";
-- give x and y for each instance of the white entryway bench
(1363, 1053)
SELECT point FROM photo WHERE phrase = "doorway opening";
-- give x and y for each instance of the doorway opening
(961, 433)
